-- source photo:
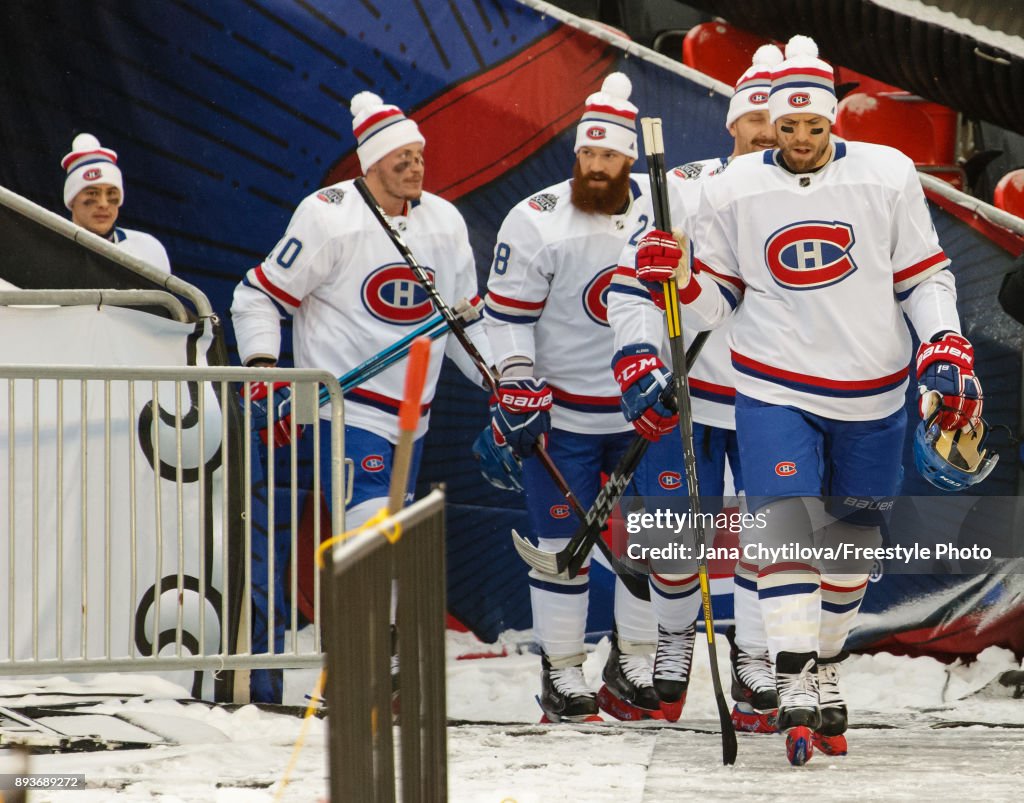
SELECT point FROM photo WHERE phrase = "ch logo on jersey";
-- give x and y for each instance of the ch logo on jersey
(787, 468)
(670, 480)
(799, 100)
(595, 296)
(760, 98)
(559, 511)
(597, 132)
(392, 294)
(373, 463)
(810, 254)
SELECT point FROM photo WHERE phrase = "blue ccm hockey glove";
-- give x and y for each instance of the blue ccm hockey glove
(520, 416)
(643, 379)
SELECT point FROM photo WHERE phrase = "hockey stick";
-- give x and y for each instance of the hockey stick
(408, 419)
(636, 583)
(655, 150)
(567, 562)
(434, 328)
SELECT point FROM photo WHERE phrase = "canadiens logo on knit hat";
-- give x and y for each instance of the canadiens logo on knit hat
(803, 81)
(752, 88)
(379, 128)
(89, 163)
(609, 119)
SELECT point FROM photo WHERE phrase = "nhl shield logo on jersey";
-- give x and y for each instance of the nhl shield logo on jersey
(392, 294)
(595, 297)
(810, 254)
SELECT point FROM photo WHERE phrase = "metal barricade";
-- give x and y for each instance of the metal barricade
(128, 517)
(357, 632)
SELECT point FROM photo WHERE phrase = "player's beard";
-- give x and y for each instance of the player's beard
(805, 164)
(606, 199)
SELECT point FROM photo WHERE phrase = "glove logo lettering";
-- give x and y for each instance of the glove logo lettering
(810, 254)
(595, 296)
(372, 463)
(391, 294)
(637, 368)
(670, 480)
(517, 402)
(597, 132)
(559, 511)
(799, 100)
(787, 468)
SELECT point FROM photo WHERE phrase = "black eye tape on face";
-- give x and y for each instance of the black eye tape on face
(787, 129)
(816, 131)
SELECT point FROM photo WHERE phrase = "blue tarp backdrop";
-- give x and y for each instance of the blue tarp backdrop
(225, 115)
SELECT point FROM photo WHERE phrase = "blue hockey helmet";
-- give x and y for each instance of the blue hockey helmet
(953, 459)
(499, 465)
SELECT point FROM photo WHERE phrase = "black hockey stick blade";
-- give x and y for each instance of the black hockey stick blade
(567, 562)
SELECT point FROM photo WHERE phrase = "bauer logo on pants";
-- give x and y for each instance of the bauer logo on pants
(392, 294)
(373, 463)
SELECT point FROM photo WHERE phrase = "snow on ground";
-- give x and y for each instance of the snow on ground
(241, 756)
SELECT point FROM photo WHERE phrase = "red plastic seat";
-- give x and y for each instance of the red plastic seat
(1009, 193)
(924, 131)
(720, 50)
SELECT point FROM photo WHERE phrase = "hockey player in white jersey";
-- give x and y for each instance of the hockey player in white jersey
(94, 193)
(712, 388)
(546, 318)
(820, 247)
(337, 275)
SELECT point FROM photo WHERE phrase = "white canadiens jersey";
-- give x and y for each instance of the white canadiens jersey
(636, 320)
(338, 274)
(825, 265)
(142, 246)
(547, 301)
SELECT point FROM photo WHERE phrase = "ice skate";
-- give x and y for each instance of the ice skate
(796, 680)
(565, 694)
(829, 738)
(753, 689)
(627, 693)
(672, 670)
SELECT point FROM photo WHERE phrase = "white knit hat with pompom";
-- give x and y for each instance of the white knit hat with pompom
(609, 119)
(751, 94)
(380, 128)
(803, 83)
(89, 164)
